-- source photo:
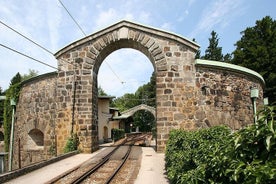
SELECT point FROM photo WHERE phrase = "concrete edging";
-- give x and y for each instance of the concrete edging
(19, 172)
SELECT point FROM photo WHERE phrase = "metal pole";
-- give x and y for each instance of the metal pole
(255, 110)
(11, 136)
(11, 142)
(254, 94)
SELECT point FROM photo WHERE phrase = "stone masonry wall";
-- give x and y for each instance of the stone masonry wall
(223, 97)
(172, 58)
(188, 95)
(35, 110)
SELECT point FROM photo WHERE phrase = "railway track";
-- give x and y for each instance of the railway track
(106, 169)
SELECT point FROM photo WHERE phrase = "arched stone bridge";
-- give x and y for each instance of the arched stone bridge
(133, 110)
(190, 93)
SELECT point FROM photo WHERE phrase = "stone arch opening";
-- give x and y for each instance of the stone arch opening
(36, 139)
(107, 50)
(121, 44)
(144, 121)
(172, 58)
(114, 73)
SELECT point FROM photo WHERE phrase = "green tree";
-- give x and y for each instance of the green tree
(32, 73)
(227, 58)
(101, 92)
(213, 51)
(125, 102)
(1, 108)
(145, 94)
(257, 50)
(16, 79)
(11, 92)
(198, 52)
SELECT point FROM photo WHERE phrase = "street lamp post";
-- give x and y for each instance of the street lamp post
(254, 94)
(13, 104)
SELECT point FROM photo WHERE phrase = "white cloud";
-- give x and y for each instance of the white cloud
(54, 18)
(218, 13)
(106, 17)
(167, 26)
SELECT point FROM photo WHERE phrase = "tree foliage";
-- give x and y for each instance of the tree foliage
(213, 51)
(1, 108)
(145, 94)
(101, 92)
(12, 93)
(257, 50)
(32, 73)
(217, 156)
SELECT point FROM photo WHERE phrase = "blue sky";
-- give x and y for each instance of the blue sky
(47, 23)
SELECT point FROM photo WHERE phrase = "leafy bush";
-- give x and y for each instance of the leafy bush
(188, 152)
(250, 157)
(72, 143)
(216, 156)
(117, 134)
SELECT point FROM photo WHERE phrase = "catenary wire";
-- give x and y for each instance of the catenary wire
(41, 62)
(29, 39)
(26, 38)
(50, 52)
(72, 17)
(122, 82)
(78, 25)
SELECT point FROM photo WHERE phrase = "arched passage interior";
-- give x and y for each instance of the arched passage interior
(121, 74)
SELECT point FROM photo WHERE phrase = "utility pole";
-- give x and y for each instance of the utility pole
(13, 104)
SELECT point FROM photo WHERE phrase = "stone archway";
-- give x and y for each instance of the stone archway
(173, 61)
(133, 110)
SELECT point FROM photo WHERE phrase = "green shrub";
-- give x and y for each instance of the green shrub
(250, 157)
(117, 134)
(72, 144)
(215, 155)
(188, 152)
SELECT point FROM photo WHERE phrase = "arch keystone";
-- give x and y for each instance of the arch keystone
(123, 33)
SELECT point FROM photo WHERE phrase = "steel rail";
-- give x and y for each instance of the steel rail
(120, 166)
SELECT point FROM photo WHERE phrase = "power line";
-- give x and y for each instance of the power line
(78, 25)
(41, 62)
(47, 50)
(72, 17)
(122, 82)
(29, 39)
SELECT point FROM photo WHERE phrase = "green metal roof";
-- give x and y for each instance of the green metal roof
(228, 66)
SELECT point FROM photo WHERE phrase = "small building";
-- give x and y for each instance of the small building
(105, 114)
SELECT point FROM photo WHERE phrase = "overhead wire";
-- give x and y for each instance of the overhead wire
(26, 38)
(47, 50)
(122, 82)
(78, 25)
(32, 41)
(72, 17)
(25, 55)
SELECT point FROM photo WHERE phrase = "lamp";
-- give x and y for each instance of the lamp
(254, 94)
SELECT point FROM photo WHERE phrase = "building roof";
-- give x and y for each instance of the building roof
(106, 97)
